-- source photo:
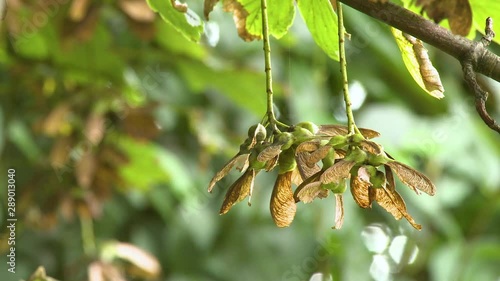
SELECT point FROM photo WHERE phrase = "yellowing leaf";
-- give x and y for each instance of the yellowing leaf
(418, 63)
(238, 191)
(282, 204)
(412, 178)
(321, 21)
(247, 16)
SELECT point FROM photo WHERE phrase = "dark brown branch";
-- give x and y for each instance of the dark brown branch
(473, 56)
(470, 77)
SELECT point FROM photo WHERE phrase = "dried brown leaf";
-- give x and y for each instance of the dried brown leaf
(85, 169)
(208, 6)
(362, 192)
(181, 7)
(297, 177)
(307, 146)
(307, 193)
(335, 130)
(57, 118)
(393, 203)
(458, 13)
(138, 10)
(226, 169)
(339, 211)
(78, 9)
(271, 164)
(306, 169)
(319, 154)
(59, 155)
(238, 191)
(282, 204)
(412, 178)
(371, 147)
(148, 265)
(337, 172)
(94, 128)
(269, 153)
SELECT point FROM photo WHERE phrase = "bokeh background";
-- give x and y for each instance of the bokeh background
(115, 123)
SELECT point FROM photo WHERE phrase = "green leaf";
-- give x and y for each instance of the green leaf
(418, 63)
(322, 23)
(248, 17)
(481, 9)
(144, 167)
(187, 23)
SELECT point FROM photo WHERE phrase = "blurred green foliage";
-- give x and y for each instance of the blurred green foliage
(115, 123)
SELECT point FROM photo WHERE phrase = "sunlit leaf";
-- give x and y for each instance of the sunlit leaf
(321, 21)
(339, 211)
(226, 169)
(412, 178)
(187, 23)
(458, 13)
(238, 191)
(418, 63)
(337, 172)
(335, 130)
(282, 204)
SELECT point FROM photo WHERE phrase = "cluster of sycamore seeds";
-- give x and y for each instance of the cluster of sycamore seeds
(319, 160)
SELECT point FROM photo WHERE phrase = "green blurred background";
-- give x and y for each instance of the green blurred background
(115, 123)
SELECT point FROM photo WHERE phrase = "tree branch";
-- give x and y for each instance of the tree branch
(473, 54)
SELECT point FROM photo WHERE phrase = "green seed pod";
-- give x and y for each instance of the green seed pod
(251, 130)
(254, 163)
(357, 138)
(377, 159)
(287, 161)
(257, 131)
(286, 140)
(310, 126)
(329, 160)
(338, 188)
(357, 155)
(378, 180)
(337, 141)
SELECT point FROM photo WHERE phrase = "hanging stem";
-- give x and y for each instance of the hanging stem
(343, 71)
(267, 58)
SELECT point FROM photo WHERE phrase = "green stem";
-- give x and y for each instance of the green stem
(343, 71)
(88, 239)
(267, 58)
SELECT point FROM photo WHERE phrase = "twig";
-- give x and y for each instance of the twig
(481, 96)
(343, 71)
(267, 59)
(473, 56)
